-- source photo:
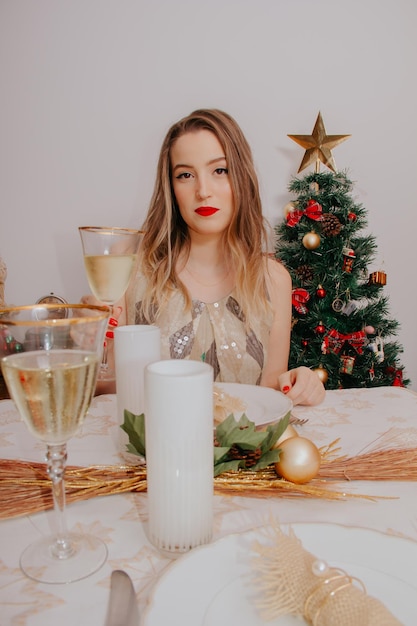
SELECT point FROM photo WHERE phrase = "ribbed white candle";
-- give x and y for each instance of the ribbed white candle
(179, 453)
(135, 346)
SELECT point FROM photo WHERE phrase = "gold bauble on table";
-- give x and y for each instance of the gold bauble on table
(322, 373)
(287, 434)
(311, 240)
(299, 460)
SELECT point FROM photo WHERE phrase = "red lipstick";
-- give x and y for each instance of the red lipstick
(205, 211)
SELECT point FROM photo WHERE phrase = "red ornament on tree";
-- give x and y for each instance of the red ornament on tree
(304, 343)
(352, 216)
(398, 379)
(299, 299)
(320, 329)
(320, 292)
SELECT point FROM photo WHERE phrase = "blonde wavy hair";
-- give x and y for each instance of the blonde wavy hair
(166, 234)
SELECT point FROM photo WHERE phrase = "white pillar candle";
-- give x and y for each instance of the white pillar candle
(135, 346)
(179, 454)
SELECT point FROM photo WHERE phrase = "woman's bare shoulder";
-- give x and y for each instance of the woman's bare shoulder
(278, 274)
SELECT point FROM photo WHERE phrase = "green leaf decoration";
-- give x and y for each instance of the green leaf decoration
(220, 453)
(239, 445)
(274, 432)
(229, 466)
(242, 433)
(270, 457)
(134, 426)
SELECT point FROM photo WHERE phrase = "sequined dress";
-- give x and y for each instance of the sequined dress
(212, 332)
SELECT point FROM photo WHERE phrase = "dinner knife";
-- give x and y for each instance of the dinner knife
(122, 609)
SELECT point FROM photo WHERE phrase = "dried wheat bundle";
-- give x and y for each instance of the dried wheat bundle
(265, 483)
(25, 487)
(390, 464)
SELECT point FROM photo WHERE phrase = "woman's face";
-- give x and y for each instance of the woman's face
(201, 182)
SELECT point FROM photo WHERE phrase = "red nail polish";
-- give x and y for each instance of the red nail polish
(110, 334)
(285, 389)
(113, 322)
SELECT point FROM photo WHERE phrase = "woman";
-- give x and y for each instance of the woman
(203, 276)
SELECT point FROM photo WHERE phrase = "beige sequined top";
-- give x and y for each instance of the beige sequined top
(214, 333)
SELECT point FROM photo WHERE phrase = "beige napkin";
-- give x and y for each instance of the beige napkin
(291, 581)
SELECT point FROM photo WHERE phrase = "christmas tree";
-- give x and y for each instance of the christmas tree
(341, 327)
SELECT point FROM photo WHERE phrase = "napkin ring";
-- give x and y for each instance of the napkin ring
(320, 596)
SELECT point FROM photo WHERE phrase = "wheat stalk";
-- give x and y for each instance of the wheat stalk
(25, 487)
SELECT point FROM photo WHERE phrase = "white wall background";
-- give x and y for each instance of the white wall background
(89, 88)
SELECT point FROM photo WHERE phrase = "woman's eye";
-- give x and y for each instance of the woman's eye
(183, 175)
(221, 170)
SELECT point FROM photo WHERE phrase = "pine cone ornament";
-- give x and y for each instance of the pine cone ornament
(305, 273)
(331, 225)
(251, 457)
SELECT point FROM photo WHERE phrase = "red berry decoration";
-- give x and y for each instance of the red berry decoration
(351, 216)
(304, 343)
(320, 329)
(320, 292)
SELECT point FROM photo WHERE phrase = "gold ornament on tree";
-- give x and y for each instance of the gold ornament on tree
(311, 240)
(290, 207)
(318, 146)
(322, 374)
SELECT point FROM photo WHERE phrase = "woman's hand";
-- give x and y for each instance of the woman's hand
(116, 310)
(302, 386)
(106, 386)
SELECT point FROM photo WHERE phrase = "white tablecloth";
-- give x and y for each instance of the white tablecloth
(362, 419)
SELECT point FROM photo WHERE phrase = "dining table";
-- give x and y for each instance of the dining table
(349, 422)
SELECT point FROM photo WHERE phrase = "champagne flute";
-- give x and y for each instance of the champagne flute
(110, 255)
(50, 360)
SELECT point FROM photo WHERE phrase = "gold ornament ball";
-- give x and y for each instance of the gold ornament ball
(299, 460)
(287, 434)
(289, 208)
(322, 374)
(311, 240)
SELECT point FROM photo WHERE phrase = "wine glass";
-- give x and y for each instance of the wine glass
(110, 255)
(50, 356)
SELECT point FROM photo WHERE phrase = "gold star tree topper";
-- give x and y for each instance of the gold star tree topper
(318, 146)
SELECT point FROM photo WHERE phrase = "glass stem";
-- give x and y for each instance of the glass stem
(104, 364)
(56, 456)
(104, 356)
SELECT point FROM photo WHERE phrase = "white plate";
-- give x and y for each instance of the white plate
(263, 405)
(209, 586)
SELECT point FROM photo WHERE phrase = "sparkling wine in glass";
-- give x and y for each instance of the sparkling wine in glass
(110, 255)
(50, 370)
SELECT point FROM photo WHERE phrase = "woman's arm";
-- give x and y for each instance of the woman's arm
(278, 282)
(301, 384)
